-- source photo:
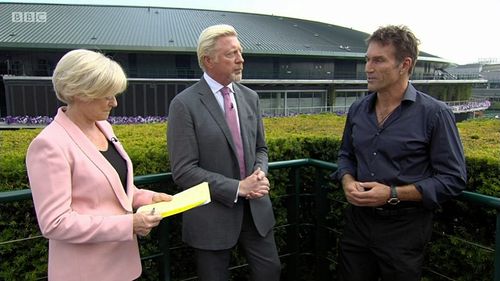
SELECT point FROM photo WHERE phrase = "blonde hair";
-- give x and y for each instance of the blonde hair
(208, 38)
(87, 74)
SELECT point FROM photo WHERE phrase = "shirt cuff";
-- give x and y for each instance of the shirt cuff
(237, 192)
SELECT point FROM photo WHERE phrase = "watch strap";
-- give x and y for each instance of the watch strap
(393, 200)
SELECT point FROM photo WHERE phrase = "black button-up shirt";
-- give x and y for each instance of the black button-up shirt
(417, 144)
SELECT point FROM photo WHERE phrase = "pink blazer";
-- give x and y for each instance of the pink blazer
(81, 205)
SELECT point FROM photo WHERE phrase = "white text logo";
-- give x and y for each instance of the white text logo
(29, 16)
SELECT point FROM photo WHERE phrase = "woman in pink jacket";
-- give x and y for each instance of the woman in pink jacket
(82, 179)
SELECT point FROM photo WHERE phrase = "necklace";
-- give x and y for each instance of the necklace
(381, 120)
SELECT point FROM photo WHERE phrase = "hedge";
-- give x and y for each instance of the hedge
(303, 136)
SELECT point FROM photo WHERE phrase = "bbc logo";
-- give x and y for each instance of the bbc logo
(29, 16)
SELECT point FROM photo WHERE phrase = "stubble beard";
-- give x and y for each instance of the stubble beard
(237, 77)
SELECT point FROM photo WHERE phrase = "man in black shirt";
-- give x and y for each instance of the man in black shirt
(401, 156)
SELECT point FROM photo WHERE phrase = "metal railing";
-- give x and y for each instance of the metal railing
(471, 105)
(294, 196)
(291, 111)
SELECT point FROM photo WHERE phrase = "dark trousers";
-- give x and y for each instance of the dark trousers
(385, 244)
(261, 253)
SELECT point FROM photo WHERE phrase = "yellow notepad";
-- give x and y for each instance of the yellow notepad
(182, 201)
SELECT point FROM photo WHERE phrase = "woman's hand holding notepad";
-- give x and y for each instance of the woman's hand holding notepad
(182, 201)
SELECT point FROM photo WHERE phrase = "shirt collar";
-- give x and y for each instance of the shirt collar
(410, 93)
(409, 96)
(214, 85)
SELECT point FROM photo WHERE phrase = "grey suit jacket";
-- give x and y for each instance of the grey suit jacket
(201, 149)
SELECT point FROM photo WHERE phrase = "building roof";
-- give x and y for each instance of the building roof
(118, 28)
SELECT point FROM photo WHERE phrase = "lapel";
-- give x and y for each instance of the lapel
(94, 157)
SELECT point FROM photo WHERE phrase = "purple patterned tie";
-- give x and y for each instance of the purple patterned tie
(232, 122)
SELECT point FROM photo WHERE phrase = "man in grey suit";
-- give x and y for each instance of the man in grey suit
(215, 134)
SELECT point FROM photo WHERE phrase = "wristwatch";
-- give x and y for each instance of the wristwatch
(393, 200)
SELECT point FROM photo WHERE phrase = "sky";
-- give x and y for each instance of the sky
(459, 31)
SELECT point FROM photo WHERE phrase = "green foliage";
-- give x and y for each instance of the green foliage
(146, 144)
(26, 260)
(481, 141)
(315, 136)
(448, 92)
(495, 105)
